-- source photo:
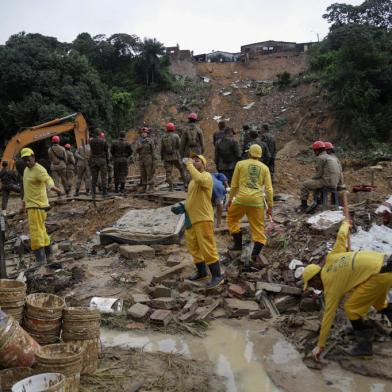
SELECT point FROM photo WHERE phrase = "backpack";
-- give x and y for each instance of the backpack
(168, 144)
(192, 135)
(225, 150)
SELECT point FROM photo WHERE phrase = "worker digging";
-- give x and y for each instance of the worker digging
(210, 222)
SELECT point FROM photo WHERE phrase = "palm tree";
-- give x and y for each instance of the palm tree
(150, 51)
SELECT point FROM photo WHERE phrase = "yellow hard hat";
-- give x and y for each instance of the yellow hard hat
(255, 151)
(310, 271)
(201, 157)
(26, 152)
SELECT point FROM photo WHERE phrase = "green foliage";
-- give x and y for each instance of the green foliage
(355, 67)
(284, 79)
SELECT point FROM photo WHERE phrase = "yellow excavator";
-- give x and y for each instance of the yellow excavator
(74, 122)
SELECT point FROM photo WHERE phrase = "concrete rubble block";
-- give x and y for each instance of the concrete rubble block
(138, 311)
(309, 305)
(278, 288)
(236, 291)
(174, 260)
(237, 308)
(207, 311)
(190, 306)
(134, 251)
(77, 254)
(164, 303)
(161, 317)
(141, 299)
(64, 246)
(312, 325)
(250, 288)
(114, 247)
(285, 302)
(161, 291)
(158, 278)
(260, 315)
(288, 276)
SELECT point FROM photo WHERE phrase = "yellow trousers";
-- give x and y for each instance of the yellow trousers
(373, 292)
(38, 236)
(255, 217)
(201, 244)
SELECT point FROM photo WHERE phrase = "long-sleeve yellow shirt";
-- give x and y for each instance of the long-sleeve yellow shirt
(342, 272)
(35, 181)
(249, 178)
(198, 203)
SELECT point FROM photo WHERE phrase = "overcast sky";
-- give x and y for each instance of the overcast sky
(199, 25)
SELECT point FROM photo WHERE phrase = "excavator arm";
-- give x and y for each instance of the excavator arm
(74, 122)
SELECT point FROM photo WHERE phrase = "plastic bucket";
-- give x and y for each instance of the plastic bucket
(12, 297)
(17, 347)
(44, 306)
(62, 358)
(9, 377)
(46, 382)
(81, 323)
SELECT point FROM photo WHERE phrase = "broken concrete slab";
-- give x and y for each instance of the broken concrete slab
(141, 299)
(209, 310)
(285, 302)
(278, 288)
(161, 291)
(326, 220)
(161, 317)
(134, 251)
(138, 311)
(238, 308)
(164, 303)
(168, 273)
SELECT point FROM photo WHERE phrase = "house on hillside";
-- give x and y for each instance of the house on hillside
(217, 57)
(175, 53)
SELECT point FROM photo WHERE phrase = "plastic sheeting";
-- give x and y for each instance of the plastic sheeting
(378, 238)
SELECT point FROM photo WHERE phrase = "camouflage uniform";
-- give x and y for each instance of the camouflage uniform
(192, 140)
(327, 175)
(82, 155)
(227, 154)
(9, 183)
(218, 135)
(147, 160)
(121, 151)
(170, 155)
(265, 158)
(244, 140)
(269, 140)
(99, 160)
(70, 171)
(58, 165)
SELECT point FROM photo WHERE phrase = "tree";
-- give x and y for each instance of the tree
(41, 79)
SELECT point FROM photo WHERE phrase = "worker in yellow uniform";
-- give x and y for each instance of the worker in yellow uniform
(36, 182)
(367, 274)
(200, 236)
(250, 179)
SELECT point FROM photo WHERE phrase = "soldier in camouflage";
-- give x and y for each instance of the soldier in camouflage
(218, 135)
(58, 163)
(99, 160)
(82, 155)
(70, 171)
(170, 155)
(255, 139)
(269, 139)
(147, 160)
(192, 139)
(121, 152)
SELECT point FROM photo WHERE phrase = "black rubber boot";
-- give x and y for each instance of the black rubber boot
(217, 278)
(115, 188)
(49, 253)
(237, 246)
(304, 205)
(87, 191)
(76, 192)
(364, 346)
(122, 187)
(387, 312)
(40, 256)
(201, 273)
(104, 192)
(257, 247)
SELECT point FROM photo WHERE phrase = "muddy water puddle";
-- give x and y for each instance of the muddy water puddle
(240, 354)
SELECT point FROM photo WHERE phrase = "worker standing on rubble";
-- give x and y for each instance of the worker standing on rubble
(200, 235)
(327, 174)
(58, 163)
(269, 140)
(244, 138)
(367, 274)
(121, 152)
(227, 153)
(250, 179)
(329, 148)
(192, 139)
(9, 183)
(82, 155)
(99, 159)
(36, 181)
(218, 135)
(147, 159)
(170, 155)
(254, 138)
(70, 172)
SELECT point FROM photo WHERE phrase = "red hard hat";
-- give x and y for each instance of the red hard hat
(145, 129)
(68, 146)
(318, 145)
(328, 145)
(55, 139)
(101, 136)
(170, 127)
(192, 116)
